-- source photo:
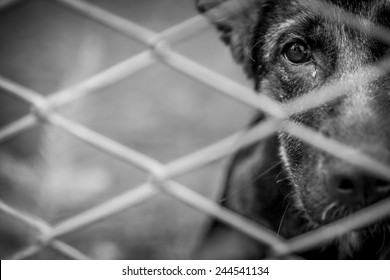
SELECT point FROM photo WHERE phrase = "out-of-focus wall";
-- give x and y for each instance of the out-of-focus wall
(157, 111)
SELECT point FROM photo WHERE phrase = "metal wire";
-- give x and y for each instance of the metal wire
(162, 176)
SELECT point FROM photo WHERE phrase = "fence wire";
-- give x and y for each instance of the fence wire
(162, 176)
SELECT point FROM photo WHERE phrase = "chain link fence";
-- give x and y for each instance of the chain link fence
(162, 176)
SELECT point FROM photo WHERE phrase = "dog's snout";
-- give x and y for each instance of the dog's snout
(350, 186)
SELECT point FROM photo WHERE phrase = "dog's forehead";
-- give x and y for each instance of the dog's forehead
(356, 6)
(304, 14)
(377, 11)
(360, 7)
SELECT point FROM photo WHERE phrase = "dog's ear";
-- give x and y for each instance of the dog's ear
(236, 20)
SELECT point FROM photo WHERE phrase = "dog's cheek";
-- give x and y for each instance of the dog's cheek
(296, 158)
(314, 195)
(303, 164)
(291, 151)
(288, 82)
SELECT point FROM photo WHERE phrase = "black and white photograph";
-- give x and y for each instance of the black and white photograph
(195, 130)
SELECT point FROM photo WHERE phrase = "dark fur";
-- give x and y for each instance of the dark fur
(282, 182)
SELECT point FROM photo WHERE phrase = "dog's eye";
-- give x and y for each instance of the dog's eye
(297, 52)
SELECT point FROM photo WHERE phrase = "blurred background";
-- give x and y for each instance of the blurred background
(158, 111)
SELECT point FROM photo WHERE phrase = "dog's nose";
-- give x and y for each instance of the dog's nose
(354, 187)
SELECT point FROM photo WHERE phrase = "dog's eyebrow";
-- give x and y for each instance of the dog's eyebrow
(319, 7)
(300, 22)
(309, 14)
(297, 24)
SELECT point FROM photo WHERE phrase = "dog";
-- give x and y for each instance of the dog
(288, 49)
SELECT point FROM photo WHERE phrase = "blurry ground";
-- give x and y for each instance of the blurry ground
(158, 111)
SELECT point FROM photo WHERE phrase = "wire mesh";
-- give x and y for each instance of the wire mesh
(162, 176)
